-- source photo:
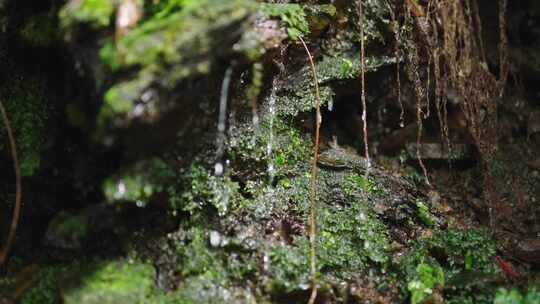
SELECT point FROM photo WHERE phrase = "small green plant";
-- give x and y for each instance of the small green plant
(359, 183)
(293, 15)
(428, 276)
(424, 214)
(346, 68)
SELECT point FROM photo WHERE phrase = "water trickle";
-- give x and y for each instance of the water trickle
(361, 216)
(330, 105)
(220, 141)
(120, 190)
(269, 146)
(255, 119)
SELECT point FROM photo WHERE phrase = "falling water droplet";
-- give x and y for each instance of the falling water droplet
(120, 190)
(220, 141)
(218, 169)
(330, 105)
(401, 124)
(255, 119)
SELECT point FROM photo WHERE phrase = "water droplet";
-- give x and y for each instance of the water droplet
(255, 119)
(120, 190)
(140, 204)
(215, 238)
(266, 262)
(218, 169)
(330, 105)
(138, 110)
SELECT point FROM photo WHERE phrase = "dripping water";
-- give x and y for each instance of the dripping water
(269, 146)
(220, 141)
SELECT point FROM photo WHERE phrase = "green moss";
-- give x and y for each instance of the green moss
(46, 291)
(289, 149)
(28, 113)
(351, 239)
(96, 13)
(165, 49)
(195, 256)
(465, 257)
(139, 182)
(289, 269)
(293, 15)
(356, 184)
(299, 94)
(39, 30)
(334, 68)
(203, 190)
(513, 296)
(424, 214)
(206, 276)
(169, 38)
(427, 278)
(111, 282)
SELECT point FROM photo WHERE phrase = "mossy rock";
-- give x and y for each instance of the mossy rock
(110, 282)
(139, 182)
(96, 13)
(28, 111)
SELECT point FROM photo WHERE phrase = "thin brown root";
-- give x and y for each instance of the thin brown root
(395, 29)
(363, 84)
(313, 184)
(16, 210)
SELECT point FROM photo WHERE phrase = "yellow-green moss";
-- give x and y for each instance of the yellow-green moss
(110, 283)
(96, 13)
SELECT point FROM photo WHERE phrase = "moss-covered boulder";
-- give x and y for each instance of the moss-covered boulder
(109, 282)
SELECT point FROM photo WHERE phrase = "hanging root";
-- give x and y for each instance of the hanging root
(313, 183)
(412, 69)
(448, 34)
(16, 210)
(363, 86)
(395, 30)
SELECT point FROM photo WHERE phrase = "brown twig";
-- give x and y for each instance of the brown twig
(16, 210)
(363, 86)
(313, 184)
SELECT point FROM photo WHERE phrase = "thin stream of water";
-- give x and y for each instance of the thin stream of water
(220, 141)
(269, 146)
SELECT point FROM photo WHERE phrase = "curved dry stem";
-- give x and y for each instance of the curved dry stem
(16, 210)
(363, 84)
(313, 183)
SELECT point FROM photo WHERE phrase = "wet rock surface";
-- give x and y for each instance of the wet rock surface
(194, 123)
